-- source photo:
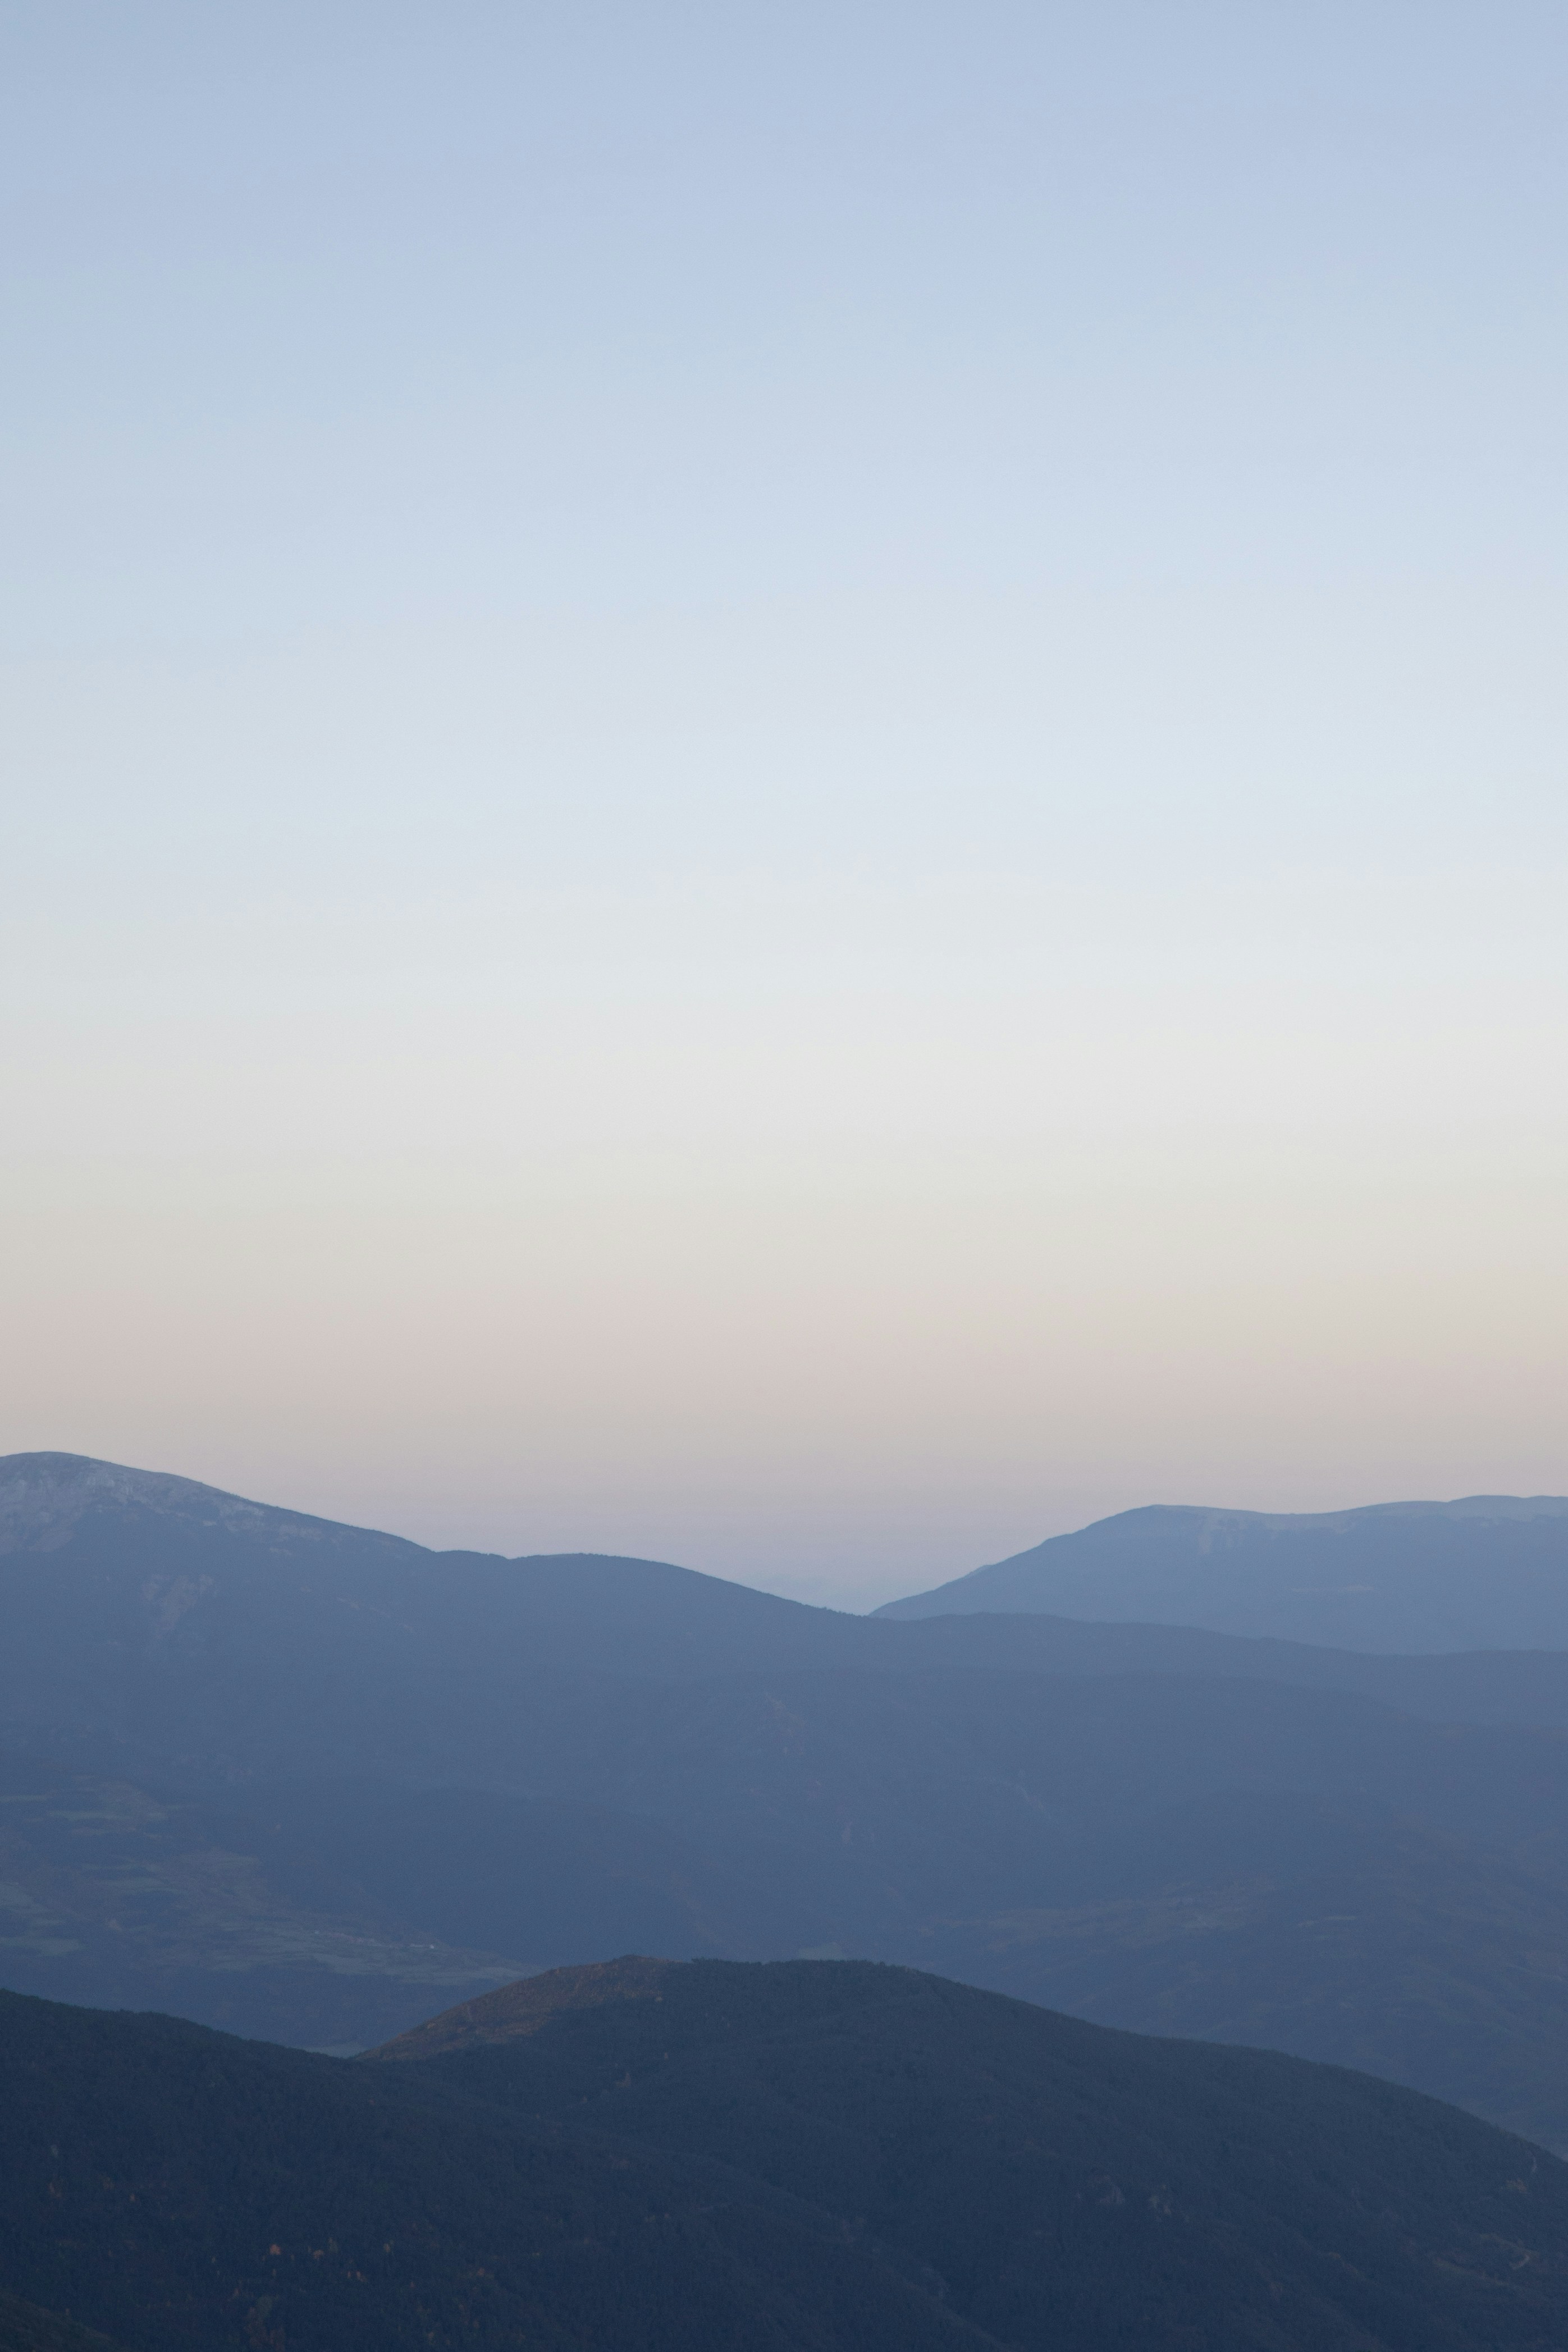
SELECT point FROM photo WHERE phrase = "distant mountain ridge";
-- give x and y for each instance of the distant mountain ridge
(1485, 1572)
(312, 1782)
(1413, 1578)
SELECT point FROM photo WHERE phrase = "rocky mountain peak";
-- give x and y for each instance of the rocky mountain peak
(44, 1498)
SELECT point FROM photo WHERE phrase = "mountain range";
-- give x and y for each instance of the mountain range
(308, 1782)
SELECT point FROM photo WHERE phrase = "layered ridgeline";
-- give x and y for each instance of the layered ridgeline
(312, 1782)
(850, 2158)
(1490, 1572)
(147, 1611)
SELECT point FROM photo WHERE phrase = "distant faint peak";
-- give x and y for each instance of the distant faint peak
(1215, 1517)
(45, 1497)
(1464, 1507)
(1150, 1564)
(515, 2011)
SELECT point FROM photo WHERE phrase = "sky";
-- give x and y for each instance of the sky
(786, 786)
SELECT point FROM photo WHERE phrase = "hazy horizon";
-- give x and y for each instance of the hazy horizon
(787, 787)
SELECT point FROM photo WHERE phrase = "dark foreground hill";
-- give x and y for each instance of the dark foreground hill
(1489, 1572)
(649, 2156)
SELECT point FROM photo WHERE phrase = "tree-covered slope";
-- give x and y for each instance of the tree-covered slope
(182, 2189)
(1069, 2186)
(25, 2328)
(710, 2156)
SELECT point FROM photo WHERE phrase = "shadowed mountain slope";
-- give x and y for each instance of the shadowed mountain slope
(25, 2328)
(1032, 2164)
(646, 2155)
(1489, 1572)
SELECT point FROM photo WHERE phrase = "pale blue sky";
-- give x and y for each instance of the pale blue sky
(785, 784)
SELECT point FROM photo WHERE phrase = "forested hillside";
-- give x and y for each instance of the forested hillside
(650, 2154)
